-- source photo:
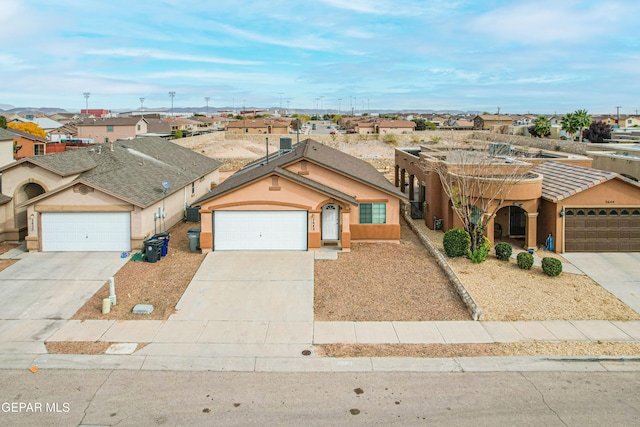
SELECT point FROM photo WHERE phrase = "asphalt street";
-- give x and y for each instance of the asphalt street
(109, 397)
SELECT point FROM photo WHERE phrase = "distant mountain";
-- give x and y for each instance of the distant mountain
(6, 107)
(47, 111)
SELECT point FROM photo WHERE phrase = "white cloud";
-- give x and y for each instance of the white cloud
(155, 54)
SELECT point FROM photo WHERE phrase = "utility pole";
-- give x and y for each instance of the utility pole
(206, 99)
(86, 102)
(499, 121)
(618, 115)
(142, 105)
(172, 95)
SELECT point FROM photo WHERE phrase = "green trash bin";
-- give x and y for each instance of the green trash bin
(193, 234)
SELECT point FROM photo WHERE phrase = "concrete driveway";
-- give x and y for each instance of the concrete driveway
(54, 285)
(250, 286)
(617, 272)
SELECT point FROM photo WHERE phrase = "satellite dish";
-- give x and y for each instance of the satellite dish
(165, 185)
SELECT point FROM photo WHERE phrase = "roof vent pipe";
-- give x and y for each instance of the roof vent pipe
(111, 145)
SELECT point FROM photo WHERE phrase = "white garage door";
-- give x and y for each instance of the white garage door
(260, 230)
(84, 231)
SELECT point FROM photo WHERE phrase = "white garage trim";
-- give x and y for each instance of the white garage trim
(260, 230)
(86, 231)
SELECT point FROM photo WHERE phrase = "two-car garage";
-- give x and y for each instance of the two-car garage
(86, 231)
(260, 230)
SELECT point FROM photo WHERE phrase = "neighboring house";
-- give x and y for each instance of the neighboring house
(63, 117)
(64, 133)
(95, 112)
(111, 129)
(385, 126)
(460, 124)
(45, 123)
(157, 127)
(300, 198)
(611, 121)
(259, 126)
(108, 197)
(27, 144)
(630, 122)
(6, 146)
(488, 121)
(186, 126)
(584, 209)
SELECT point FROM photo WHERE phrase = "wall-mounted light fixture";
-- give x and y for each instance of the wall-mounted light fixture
(561, 212)
(31, 217)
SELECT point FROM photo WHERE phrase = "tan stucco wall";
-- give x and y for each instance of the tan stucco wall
(629, 166)
(99, 133)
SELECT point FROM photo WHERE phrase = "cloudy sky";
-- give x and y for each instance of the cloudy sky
(522, 56)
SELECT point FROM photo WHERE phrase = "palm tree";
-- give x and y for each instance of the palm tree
(569, 124)
(542, 126)
(583, 119)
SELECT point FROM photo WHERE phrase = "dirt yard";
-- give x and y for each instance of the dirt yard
(160, 284)
(5, 247)
(385, 281)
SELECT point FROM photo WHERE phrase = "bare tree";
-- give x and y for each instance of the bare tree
(477, 179)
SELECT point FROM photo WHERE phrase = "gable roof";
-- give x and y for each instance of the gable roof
(21, 134)
(315, 152)
(64, 164)
(562, 180)
(134, 170)
(6, 135)
(116, 121)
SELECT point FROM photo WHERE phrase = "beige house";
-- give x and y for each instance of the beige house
(490, 121)
(582, 208)
(108, 197)
(630, 122)
(113, 129)
(259, 126)
(301, 198)
(6, 146)
(385, 126)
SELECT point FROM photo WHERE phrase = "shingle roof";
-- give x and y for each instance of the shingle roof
(64, 164)
(116, 121)
(27, 135)
(5, 135)
(313, 151)
(561, 180)
(135, 169)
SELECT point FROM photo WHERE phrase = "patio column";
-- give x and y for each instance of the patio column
(412, 178)
(206, 231)
(532, 230)
(396, 180)
(402, 180)
(489, 230)
(345, 235)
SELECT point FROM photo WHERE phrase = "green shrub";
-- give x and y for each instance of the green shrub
(486, 243)
(479, 255)
(551, 266)
(525, 260)
(391, 139)
(456, 242)
(503, 251)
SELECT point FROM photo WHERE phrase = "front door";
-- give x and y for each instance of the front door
(331, 222)
(517, 221)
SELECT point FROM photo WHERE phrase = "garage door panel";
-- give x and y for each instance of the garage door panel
(260, 230)
(86, 231)
(603, 230)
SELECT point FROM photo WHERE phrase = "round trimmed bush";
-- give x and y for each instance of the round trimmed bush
(503, 251)
(456, 242)
(525, 260)
(551, 266)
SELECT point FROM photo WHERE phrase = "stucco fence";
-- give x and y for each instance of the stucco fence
(467, 299)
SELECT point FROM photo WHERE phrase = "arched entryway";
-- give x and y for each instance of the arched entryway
(24, 193)
(510, 223)
(330, 223)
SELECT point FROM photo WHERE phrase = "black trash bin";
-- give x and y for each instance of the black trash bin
(194, 239)
(164, 237)
(152, 250)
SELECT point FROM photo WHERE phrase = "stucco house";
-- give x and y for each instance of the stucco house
(111, 129)
(489, 121)
(6, 146)
(584, 209)
(385, 126)
(259, 126)
(106, 197)
(302, 197)
(27, 144)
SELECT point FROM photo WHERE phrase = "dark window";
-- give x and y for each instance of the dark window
(373, 213)
(38, 149)
(580, 213)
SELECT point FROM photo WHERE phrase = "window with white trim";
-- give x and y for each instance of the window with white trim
(373, 213)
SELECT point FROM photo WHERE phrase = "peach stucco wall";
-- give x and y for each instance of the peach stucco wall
(277, 193)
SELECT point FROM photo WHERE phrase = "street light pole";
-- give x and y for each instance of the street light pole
(618, 114)
(142, 105)
(206, 99)
(86, 101)
(172, 95)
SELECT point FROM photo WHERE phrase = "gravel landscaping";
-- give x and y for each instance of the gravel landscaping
(507, 293)
(385, 281)
(160, 284)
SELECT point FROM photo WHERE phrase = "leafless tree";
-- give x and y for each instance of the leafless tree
(477, 179)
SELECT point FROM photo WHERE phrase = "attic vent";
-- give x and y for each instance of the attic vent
(82, 189)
